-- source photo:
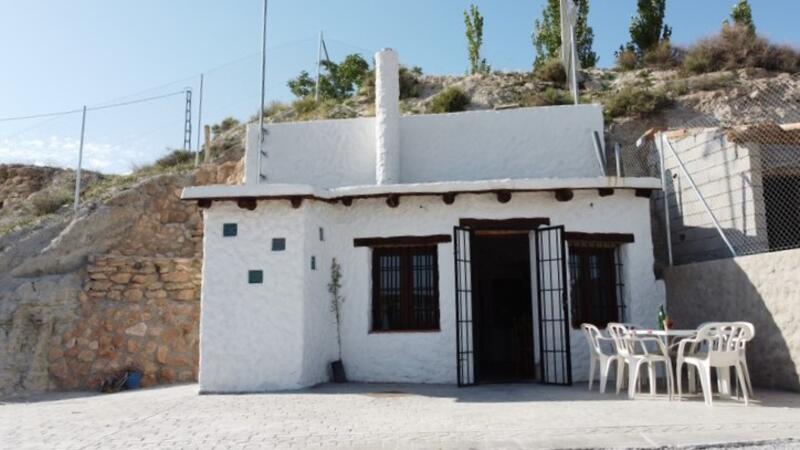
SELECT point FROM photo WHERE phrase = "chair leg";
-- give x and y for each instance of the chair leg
(705, 381)
(633, 378)
(670, 379)
(604, 369)
(651, 372)
(591, 372)
(747, 381)
(691, 375)
(724, 382)
(620, 374)
(740, 376)
(679, 376)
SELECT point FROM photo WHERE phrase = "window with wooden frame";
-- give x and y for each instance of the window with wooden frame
(405, 288)
(596, 287)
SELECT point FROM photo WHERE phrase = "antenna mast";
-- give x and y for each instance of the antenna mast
(263, 91)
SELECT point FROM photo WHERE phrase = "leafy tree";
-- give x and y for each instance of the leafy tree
(547, 34)
(338, 81)
(474, 23)
(303, 85)
(742, 15)
(648, 29)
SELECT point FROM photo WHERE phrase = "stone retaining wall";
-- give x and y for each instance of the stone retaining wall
(762, 289)
(134, 312)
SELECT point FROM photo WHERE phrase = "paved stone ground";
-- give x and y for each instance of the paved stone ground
(394, 416)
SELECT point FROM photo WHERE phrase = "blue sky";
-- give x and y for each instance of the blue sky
(60, 55)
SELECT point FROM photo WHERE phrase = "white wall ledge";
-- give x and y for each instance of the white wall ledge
(268, 190)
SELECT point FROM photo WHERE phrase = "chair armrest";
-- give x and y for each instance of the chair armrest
(658, 341)
(682, 345)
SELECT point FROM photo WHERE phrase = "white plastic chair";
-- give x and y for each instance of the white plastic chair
(721, 346)
(743, 357)
(633, 351)
(599, 359)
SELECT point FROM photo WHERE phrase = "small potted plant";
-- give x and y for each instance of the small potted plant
(334, 288)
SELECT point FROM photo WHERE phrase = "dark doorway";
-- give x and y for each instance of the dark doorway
(503, 315)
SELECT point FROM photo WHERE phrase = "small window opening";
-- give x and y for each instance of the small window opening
(278, 244)
(313, 263)
(230, 230)
(321, 234)
(255, 277)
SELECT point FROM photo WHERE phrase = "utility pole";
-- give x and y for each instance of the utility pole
(80, 163)
(199, 123)
(319, 66)
(187, 124)
(263, 91)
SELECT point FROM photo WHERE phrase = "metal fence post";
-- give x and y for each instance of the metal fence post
(80, 163)
(199, 123)
(665, 193)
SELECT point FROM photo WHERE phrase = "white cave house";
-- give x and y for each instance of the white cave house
(472, 246)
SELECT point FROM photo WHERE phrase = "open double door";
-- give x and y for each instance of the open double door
(549, 308)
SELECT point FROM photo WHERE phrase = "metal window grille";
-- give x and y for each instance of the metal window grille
(405, 288)
(595, 284)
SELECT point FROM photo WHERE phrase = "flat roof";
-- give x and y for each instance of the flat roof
(270, 190)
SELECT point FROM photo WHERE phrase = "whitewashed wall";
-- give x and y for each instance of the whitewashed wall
(324, 153)
(547, 142)
(252, 335)
(319, 325)
(281, 335)
(430, 356)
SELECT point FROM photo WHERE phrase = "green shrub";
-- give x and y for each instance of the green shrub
(677, 88)
(556, 97)
(410, 82)
(627, 60)
(548, 97)
(635, 101)
(699, 60)
(49, 201)
(736, 47)
(176, 158)
(552, 70)
(449, 100)
(227, 124)
(662, 56)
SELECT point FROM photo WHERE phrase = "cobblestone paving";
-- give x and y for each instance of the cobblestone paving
(392, 416)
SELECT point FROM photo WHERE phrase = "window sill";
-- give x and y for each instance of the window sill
(436, 330)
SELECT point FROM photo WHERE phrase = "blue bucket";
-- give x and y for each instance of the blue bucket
(134, 380)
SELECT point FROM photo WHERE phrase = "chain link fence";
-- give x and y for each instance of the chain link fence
(731, 171)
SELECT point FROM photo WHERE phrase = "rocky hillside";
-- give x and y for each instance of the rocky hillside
(117, 285)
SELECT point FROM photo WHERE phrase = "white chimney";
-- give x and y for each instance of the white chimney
(387, 117)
